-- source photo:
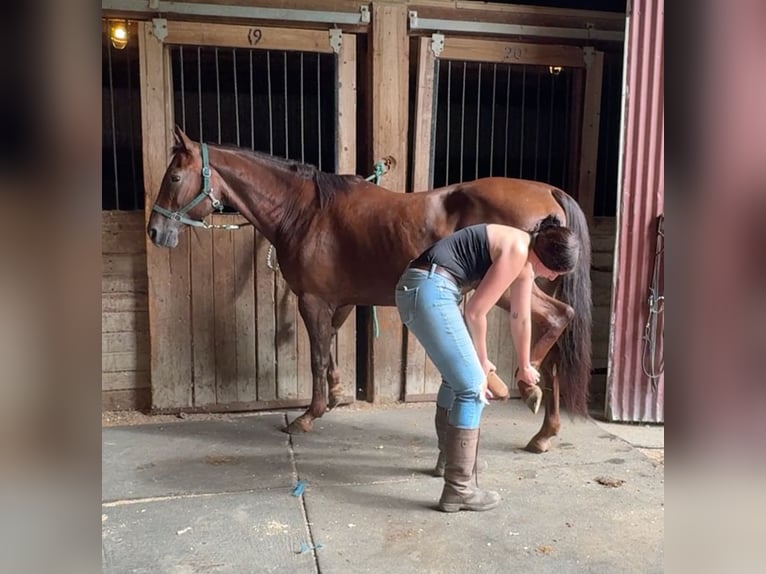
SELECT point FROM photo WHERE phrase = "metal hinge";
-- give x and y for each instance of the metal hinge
(160, 28)
(336, 39)
(364, 12)
(588, 55)
(413, 14)
(437, 44)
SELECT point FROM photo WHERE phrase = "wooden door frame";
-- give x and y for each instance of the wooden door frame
(422, 380)
(168, 270)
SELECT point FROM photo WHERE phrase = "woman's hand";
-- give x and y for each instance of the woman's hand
(488, 366)
(529, 374)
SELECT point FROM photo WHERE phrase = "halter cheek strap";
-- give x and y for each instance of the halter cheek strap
(205, 192)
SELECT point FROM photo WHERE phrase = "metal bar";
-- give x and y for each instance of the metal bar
(537, 125)
(244, 12)
(303, 138)
(449, 95)
(523, 105)
(492, 123)
(132, 139)
(252, 105)
(478, 111)
(441, 25)
(114, 131)
(217, 93)
(199, 90)
(507, 118)
(236, 92)
(550, 126)
(462, 123)
(434, 104)
(271, 112)
(287, 138)
(319, 110)
(183, 89)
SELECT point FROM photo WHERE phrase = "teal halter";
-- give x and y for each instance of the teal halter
(206, 191)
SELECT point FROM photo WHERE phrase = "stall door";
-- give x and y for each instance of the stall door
(493, 108)
(225, 330)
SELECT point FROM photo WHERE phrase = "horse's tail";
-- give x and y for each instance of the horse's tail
(575, 290)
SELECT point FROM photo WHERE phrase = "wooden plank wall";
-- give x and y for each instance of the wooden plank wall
(125, 378)
(603, 232)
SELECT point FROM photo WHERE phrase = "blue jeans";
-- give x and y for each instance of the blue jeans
(429, 305)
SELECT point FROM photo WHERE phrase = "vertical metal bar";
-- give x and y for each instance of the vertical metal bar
(523, 106)
(507, 118)
(319, 110)
(478, 112)
(537, 125)
(183, 88)
(550, 126)
(271, 112)
(567, 119)
(303, 147)
(462, 123)
(252, 104)
(114, 131)
(435, 104)
(199, 91)
(135, 185)
(492, 125)
(287, 139)
(218, 93)
(236, 92)
(449, 91)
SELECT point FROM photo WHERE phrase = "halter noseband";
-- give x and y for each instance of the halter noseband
(206, 191)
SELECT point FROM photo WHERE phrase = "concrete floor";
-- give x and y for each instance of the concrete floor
(216, 495)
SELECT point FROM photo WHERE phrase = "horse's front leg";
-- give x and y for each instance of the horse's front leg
(317, 317)
(333, 373)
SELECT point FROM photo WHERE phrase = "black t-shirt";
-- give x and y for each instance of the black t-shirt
(465, 254)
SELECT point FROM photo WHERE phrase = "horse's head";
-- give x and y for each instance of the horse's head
(185, 193)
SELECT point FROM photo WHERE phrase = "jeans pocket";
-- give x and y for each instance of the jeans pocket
(406, 303)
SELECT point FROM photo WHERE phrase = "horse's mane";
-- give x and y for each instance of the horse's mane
(326, 185)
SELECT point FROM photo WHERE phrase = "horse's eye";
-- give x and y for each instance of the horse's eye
(175, 178)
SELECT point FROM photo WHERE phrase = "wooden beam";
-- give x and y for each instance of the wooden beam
(261, 37)
(586, 189)
(501, 52)
(167, 269)
(389, 53)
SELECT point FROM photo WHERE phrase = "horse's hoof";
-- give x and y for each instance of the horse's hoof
(298, 426)
(539, 445)
(335, 399)
(533, 399)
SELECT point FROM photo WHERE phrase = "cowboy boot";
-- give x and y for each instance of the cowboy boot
(462, 447)
(440, 421)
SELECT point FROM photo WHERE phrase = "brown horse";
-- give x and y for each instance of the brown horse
(343, 241)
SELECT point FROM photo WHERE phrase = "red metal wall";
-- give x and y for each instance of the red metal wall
(630, 396)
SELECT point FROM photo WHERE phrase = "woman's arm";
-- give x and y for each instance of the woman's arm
(507, 264)
(521, 323)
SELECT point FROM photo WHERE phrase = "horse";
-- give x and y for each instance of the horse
(343, 241)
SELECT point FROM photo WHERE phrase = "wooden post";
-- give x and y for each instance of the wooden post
(594, 73)
(167, 269)
(389, 53)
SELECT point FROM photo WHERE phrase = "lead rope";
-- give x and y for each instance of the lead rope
(656, 307)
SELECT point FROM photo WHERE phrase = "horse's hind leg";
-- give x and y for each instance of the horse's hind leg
(317, 316)
(333, 373)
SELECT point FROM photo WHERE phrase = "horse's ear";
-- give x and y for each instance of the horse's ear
(182, 140)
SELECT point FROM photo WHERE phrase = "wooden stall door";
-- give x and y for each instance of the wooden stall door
(224, 327)
(486, 150)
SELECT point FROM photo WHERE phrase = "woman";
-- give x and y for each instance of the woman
(497, 257)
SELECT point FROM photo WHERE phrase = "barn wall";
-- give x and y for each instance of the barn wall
(125, 380)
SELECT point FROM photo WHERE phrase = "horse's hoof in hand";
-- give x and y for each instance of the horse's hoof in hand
(534, 398)
(335, 399)
(298, 426)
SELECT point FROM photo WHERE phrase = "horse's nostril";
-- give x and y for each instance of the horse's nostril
(152, 234)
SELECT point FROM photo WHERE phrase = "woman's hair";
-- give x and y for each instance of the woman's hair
(557, 247)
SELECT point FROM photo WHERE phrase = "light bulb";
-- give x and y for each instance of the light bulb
(118, 34)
